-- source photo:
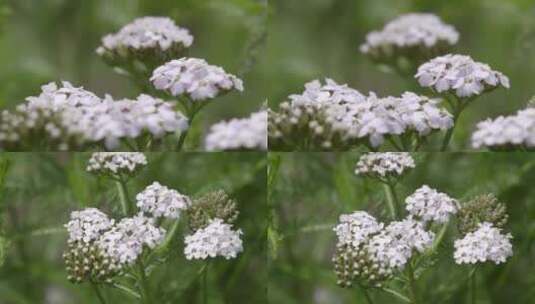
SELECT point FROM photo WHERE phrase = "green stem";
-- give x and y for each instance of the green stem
(126, 290)
(458, 107)
(367, 295)
(473, 287)
(123, 196)
(412, 284)
(392, 200)
(205, 285)
(191, 108)
(396, 294)
(143, 283)
(98, 293)
(440, 237)
(169, 236)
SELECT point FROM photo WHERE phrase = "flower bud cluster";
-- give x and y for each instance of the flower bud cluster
(483, 208)
(214, 204)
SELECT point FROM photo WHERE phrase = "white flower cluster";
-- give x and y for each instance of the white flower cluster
(147, 32)
(389, 247)
(216, 239)
(87, 225)
(355, 228)
(411, 30)
(75, 117)
(487, 243)
(125, 241)
(245, 133)
(194, 78)
(507, 132)
(384, 164)
(160, 201)
(116, 162)
(428, 204)
(459, 74)
(338, 112)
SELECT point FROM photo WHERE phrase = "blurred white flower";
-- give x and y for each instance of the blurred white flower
(515, 131)
(428, 204)
(410, 30)
(87, 225)
(239, 134)
(147, 32)
(487, 243)
(160, 201)
(216, 239)
(355, 228)
(383, 164)
(194, 78)
(116, 162)
(460, 75)
(126, 240)
(412, 233)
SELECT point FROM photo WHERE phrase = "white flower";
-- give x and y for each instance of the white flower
(88, 225)
(160, 201)
(428, 204)
(194, 78)
(506, 131)
(412, 233)
(460, 75)
(383, 164)
(394, 245)
(355, 228)
(73, 117)
(147, 32)
(487, 243)
(116, 162)
(217, 239)
(411, 30)
(245, 133)
(126, 240)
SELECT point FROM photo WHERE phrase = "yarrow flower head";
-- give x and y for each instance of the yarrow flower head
(239, 134)
(146, 38)
(321, 115)
(72, 118)
(214, 204)
(507, 132)
(87, 225)
(355, 228)
(116, 163)
(460, 75)
(384, 165)
(487, 243)
(216, 239)
(411, 233)
(194, 78)
(83, 258)
(411, 35)
(160, 201)
(428, 204)
(124, 242)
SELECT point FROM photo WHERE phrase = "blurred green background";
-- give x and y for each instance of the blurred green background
(52, 40)
(40, 190)
(321, 39)
(308, 191)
